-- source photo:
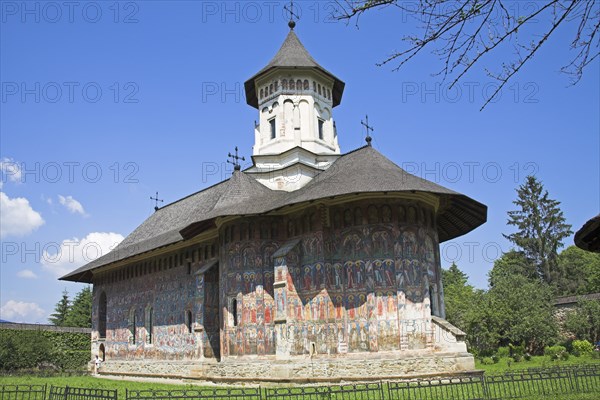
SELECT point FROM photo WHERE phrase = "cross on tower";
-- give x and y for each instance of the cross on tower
(157, 200)
(369, 128)
(234, 159)
(293, 15)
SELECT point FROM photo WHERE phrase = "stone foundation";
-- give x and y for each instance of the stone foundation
(301, 370)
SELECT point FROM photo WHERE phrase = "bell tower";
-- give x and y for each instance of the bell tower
(295, 137)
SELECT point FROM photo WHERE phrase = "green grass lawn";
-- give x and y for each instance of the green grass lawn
(92, 382)
(507, 364)
(429, 393)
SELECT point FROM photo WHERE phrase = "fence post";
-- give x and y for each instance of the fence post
(66, 393)
(486, 394)
(44, 393)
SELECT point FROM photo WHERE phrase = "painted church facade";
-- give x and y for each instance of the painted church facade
(310, 265)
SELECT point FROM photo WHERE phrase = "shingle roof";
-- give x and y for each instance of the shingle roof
(588, 237)
(292, 54)
(364, 170)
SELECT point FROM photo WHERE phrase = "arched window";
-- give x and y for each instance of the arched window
(328, 94)
(306, 85)
(319, 88)
(292, 84)
(189, 321)
(284, 84)
(102, 316)
(102, 352)
(314, 86)
(271, 88)
(261, 93)
(149, 324)
(299, 84)
(132, 326)
(276, 85)
(234, 312)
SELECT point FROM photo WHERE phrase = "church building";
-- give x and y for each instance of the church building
(311, 265)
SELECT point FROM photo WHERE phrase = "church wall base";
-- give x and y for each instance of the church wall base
(298, 371)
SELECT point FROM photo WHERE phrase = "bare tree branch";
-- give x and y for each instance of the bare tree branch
(462, 32)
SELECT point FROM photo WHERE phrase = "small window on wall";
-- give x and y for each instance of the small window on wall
(233, 311)
(132, 326)
(321, 123)
(150, 324)
(272, 125)
(188, 321)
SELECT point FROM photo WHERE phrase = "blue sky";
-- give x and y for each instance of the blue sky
(105, 103)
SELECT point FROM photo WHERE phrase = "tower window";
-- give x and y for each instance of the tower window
(321, 122)
(273, 132)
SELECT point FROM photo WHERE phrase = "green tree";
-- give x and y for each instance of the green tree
(482, 322)
(80, 312)
(541, 229)
(579, 272)
(511, 263)
(458, 296)
(584, 321)
(524, 312)
(61, 310)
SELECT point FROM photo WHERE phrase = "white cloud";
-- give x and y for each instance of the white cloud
(19, 311)
(27, 274)
(9, 171)
(18, 218)
(73, 253)
(72, 205)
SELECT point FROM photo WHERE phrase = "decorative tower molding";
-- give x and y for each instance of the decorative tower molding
(295, 138)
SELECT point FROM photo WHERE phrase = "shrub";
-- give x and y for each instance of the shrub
(582, 347)
(48, 350)
(516, 349)
(518, 357)
(487, 361)
(527, 357)
(555, 352)
(495, 359)
(503, 351)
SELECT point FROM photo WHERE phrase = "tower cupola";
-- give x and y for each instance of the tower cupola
(296, 136)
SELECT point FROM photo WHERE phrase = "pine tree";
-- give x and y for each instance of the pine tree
(80, 313)
(61, 310)
(541, 229)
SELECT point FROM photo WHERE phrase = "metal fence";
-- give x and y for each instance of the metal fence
(361, 391)
(530, 383)
(72, 393)
(22, 392)
(533, 382)
(458, 387)
(204, 393)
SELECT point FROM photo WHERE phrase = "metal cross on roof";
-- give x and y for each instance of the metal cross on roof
(293, 15)
(369, 128)
(157, 200)
(234, 159)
